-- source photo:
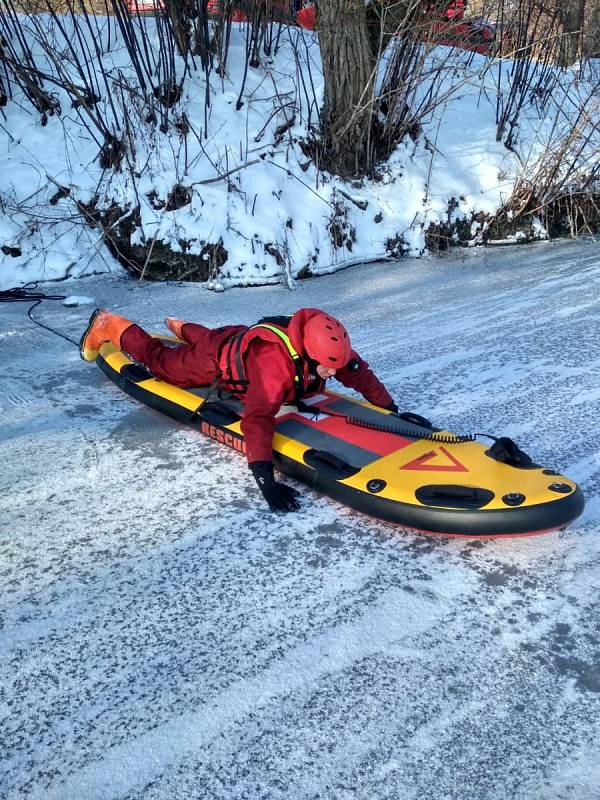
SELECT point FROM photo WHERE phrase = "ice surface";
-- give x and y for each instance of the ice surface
(164, 636)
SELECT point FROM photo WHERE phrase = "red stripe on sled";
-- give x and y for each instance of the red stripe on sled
(378, 442)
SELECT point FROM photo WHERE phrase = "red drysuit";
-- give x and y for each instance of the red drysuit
(268, 365)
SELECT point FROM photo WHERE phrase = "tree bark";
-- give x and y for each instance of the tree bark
(352, 38)
(591, 41)
(348, 72)
(178, 13)
(572, 13)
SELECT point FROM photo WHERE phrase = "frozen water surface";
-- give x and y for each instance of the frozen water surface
(162, 635)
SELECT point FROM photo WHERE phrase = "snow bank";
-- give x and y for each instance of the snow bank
(251, 191)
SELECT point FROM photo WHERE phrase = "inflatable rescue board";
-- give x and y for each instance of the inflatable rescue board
(397, 469)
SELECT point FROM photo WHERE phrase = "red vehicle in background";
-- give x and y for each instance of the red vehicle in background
(454, 10)
(452, 29)
(447, 24)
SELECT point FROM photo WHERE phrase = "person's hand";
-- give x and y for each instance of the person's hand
(392, 407)
(279, 496)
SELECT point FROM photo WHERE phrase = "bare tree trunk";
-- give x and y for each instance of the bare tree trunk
(572, 14)
(352, 38)
(349, 72)
(178, 11)
(591, 42)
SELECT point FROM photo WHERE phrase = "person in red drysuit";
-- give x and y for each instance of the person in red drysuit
(254, 363)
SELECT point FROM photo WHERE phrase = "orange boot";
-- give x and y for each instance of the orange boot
(175, 325)
(102, 327)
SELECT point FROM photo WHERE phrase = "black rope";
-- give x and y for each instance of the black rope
(433, 436)
(503, 449)
(27, 293)
(439, 438)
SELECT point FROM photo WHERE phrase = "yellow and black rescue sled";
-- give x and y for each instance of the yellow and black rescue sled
(398, 469)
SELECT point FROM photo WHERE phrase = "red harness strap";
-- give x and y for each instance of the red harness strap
(231, 360)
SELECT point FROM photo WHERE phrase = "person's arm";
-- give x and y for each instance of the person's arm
(269, 381)
(364, 380)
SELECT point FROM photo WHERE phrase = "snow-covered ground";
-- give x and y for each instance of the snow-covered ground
(162, 635)
(276, 213)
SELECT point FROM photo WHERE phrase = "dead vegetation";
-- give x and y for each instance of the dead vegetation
(558, 181)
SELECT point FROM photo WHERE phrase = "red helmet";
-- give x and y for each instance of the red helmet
(327, 341)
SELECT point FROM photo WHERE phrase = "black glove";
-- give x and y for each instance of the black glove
(392, 407)
(279, 496)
